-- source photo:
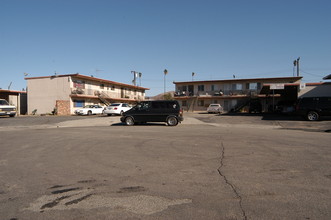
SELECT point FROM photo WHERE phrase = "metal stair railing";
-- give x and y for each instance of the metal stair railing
(103, 97)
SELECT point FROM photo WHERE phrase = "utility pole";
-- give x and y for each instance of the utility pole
(165, 73)
(296, 63)
(135, 75)
(140, 74)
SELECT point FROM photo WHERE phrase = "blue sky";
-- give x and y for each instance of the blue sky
(216, 39)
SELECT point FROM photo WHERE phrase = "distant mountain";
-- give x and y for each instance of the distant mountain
(168, 95)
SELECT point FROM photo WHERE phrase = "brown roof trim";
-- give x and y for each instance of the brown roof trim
(11, 91)
(285, 84)
(318, 83)
(297, 84)
(77, 75)
(238, 80)
(96, 97)
(183, 98)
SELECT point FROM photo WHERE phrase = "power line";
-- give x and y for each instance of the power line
(312, 74)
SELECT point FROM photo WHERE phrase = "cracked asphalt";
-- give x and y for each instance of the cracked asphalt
(209, 167)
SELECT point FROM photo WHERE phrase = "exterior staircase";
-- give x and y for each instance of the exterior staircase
(103, 97)
(191, 103)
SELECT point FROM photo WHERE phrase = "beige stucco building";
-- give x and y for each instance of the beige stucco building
(236, 94)
(66, 93)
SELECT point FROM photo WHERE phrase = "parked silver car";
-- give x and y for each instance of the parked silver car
(89, 110)
(116, 109)
(215, 108)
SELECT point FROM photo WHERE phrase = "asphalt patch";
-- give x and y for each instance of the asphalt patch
(64, 190)
(132, 189)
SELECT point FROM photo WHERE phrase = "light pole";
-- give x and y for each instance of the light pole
(165, 73)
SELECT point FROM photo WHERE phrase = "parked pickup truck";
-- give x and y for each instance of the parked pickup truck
(6, 109)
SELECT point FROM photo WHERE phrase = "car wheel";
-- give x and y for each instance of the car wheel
(89, 112)
(129, 121)
(312, 116)
(172, 121)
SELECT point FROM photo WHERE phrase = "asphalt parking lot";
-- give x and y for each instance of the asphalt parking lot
(241, 120)
(209, 167)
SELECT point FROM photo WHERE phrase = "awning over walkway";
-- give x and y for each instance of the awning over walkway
(278, 88)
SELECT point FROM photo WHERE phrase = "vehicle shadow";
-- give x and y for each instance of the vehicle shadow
(204, 113)
(142, 124)
(268, 116)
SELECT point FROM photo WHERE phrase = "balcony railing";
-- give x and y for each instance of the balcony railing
(219, 93)
(111, 94)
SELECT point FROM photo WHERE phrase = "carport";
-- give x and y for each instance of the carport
(285, 93)
(17, 98)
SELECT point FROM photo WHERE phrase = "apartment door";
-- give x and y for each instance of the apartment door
(89, 90)
(191, 90)
(122, 93)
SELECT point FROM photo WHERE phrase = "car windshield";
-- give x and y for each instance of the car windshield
(116, 104)
(214, 105)
(3, 102)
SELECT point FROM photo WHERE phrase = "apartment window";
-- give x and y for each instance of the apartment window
(201, 102)
(110, 87)
(212, 87)
(79, 84)
(79, 103)
(184, 88)
(259, 86)
(253, 86)
(102, 86)
(237, 86)
(201, 88)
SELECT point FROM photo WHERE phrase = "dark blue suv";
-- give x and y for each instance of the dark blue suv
(154, 111)
(312, 108)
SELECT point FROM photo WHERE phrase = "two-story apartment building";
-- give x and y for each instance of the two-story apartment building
(234, 94)
(66, 93)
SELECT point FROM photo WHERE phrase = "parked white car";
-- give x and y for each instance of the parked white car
(116, 109)
(6, 109)
(215, 108)
(89, 110)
